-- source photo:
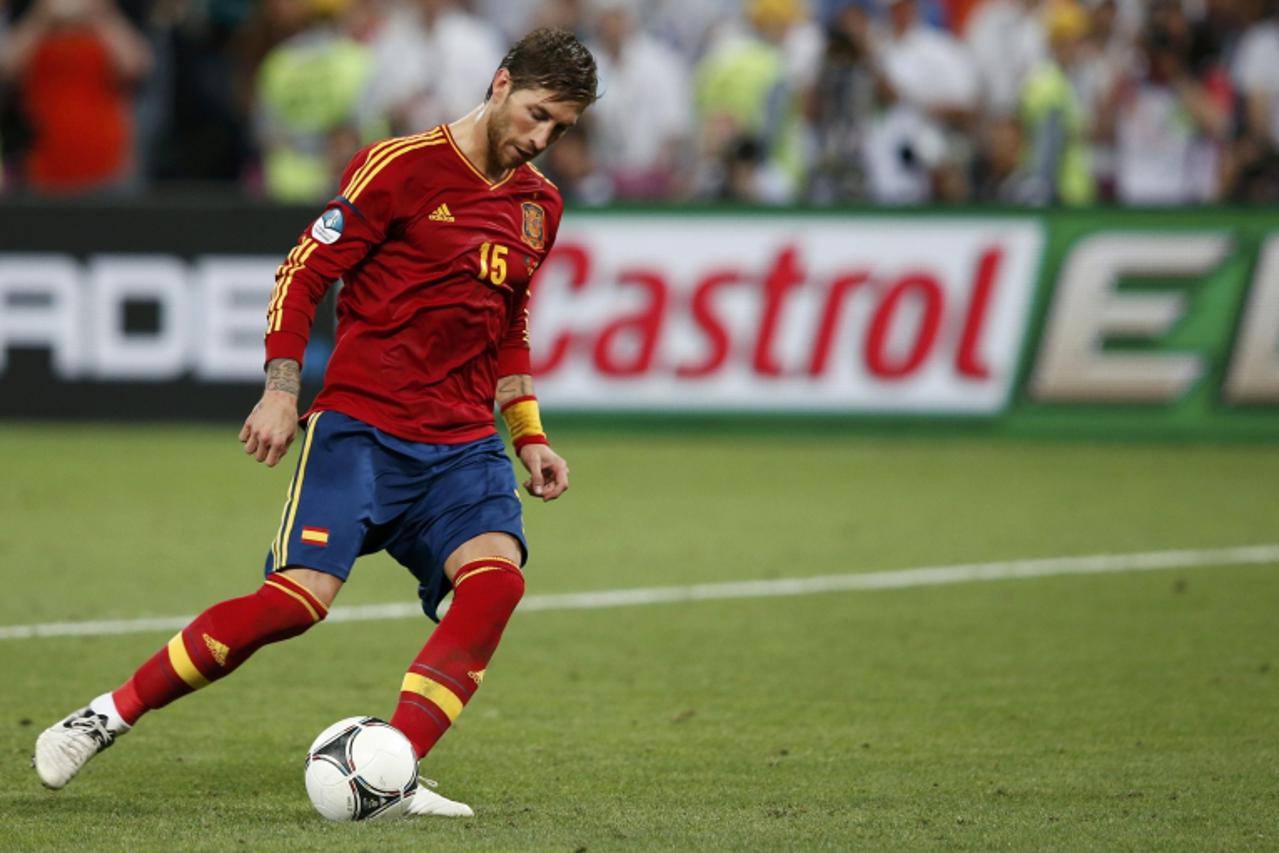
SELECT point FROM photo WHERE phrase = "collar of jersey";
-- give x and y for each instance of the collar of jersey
(448, 134)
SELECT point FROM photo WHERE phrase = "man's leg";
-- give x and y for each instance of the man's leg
(487, 584)
(225, 636)
(211, 647)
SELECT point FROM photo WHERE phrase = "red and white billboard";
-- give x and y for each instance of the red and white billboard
(792, 313)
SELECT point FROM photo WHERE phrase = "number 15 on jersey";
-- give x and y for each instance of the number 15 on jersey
(493, 263)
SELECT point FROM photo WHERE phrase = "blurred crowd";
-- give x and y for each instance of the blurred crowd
(1028, 102)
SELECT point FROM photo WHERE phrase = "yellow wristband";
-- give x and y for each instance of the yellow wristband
(524, 422)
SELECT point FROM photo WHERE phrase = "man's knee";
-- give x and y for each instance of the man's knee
(323, 586)
(495, 545)
(495, 581)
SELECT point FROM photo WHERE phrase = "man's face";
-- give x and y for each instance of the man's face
(525, 122)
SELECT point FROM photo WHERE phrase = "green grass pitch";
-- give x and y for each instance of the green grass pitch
(1122, 711)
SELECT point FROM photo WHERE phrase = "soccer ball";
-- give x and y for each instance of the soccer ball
(361, 768)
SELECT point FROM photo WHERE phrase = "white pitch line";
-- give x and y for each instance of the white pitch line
(898, 579)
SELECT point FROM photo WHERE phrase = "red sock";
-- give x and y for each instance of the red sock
(216, 642)
(450, 667)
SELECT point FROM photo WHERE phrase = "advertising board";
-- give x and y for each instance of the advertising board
(1092, 323)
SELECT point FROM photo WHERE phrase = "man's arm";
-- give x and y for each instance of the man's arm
(352, 224)
(513, 387)
(548, 472)
(271, 426)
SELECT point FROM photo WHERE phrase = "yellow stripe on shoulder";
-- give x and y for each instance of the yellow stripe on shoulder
(542, 175)
(378, 153)
(373, 152)
(383, 146)
(386, 160)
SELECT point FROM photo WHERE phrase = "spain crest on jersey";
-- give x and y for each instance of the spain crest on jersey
(533, 231)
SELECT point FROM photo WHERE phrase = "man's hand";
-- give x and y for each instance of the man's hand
(548, 471)
(272, 425)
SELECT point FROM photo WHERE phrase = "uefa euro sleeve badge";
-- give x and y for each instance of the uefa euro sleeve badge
(328, 228)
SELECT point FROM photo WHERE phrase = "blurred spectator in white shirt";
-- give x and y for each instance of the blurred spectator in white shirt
(1170, 125)
(643, 120)
(930, 85)
(693, 26)
(434, 62)
(1256, 73)
(1007, 41)
(1107, 58)
(1253, 172)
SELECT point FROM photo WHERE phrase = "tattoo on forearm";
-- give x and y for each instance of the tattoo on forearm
(515, 385)
(283, 374)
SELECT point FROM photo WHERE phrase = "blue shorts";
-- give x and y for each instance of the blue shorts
(358, 490)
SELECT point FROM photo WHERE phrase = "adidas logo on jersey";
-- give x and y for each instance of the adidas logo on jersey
(441, 214)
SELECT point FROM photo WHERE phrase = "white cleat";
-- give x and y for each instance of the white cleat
(426, 802)
(65, 747)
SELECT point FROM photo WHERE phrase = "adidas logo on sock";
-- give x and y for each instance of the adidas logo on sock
(441, 214)
(218, 650)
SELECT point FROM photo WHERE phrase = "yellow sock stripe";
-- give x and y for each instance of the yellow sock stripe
(297, 491)
(357, 188)
(465, 573)
(383, 147)
(434, 692)
(182, 664)
(288, 279)
(315, 617)
(466, 577)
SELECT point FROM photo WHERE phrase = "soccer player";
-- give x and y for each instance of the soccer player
(436, 237)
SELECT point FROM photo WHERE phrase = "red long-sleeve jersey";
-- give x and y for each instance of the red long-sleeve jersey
(436, 261)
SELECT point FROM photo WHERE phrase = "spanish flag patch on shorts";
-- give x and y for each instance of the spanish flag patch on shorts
(315, 536)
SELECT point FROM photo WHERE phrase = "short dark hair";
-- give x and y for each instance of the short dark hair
(552, 58)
